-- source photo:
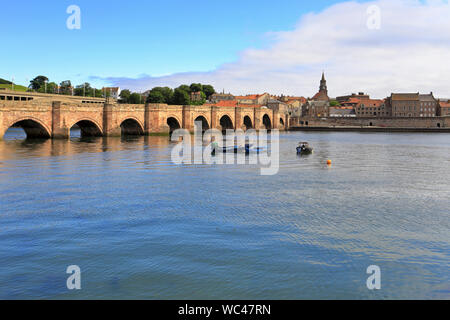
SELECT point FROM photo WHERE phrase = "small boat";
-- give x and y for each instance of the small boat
(304, 148)
(252, 149)
(233, 149)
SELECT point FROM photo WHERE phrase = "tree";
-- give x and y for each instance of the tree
(160, 95)
(51, 87)
(38, 82)
(84, 90)
(156, 96)
(196, 87)
(135, 98)
(181, 96)
(208, 90)
(125, 96)
(334, 103)
(66, 87)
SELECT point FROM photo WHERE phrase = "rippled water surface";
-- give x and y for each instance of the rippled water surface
(141, 227)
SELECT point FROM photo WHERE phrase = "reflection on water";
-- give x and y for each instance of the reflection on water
(141, 227)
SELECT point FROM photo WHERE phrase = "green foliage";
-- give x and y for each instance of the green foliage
(125, 96)
(84, 90)
(38, 82)
(196, 87)
(52, 87)
(66, 87)
(160, 95)
(3, 81)
(181, 96)
(201, 101)
(156, 97)
(334, 103)
(208, 90)
(135, 98)
(16, 87)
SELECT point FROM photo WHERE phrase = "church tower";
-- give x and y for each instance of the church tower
(323, 84)
(322, 95)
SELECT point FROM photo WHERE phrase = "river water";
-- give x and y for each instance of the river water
(142, 227)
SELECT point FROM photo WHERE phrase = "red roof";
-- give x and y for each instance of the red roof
(371, 102)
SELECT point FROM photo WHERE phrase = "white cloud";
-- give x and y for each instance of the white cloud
(410, 52)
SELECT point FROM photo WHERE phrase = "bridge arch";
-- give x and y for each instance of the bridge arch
(88, 128)
(248, 123)
(131, 127)
(33, 127)
(267, 123)
(173, 124)
(204, 121)
(226, 122)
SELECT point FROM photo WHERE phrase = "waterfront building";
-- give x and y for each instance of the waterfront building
(444, 108)
(342, 111)
(412, 105)
(353, 97)
(316, 109)
(322, 95)
(370, 108)
(428, 105)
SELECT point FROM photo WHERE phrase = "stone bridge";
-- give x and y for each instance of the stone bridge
(53, 116)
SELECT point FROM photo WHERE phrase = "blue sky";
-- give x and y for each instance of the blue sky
(245, 46)
(130, 38)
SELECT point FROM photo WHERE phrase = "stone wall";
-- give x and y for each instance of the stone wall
(432, 122)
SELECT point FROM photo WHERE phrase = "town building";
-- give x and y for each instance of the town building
(342, 111)
(316, 109)
(322, 95)
(113, 92)
(353, 97)
(196, 96)
(216, 97)
(254, 99)
(319, 105)
(444, 108)
(428, 105)
(412, 105)
(370, 108)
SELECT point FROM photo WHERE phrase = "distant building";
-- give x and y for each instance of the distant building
(196, 96)
(316, 109)
(216, 97)
(370, 108)
(412, 105)
(113, 92)
(428, 105)
(353, 97)
(319, 105)
(322, 95)
(254, 99)
(444, 108)
(339, 111)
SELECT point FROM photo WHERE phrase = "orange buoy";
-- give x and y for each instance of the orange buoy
(329, 162)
